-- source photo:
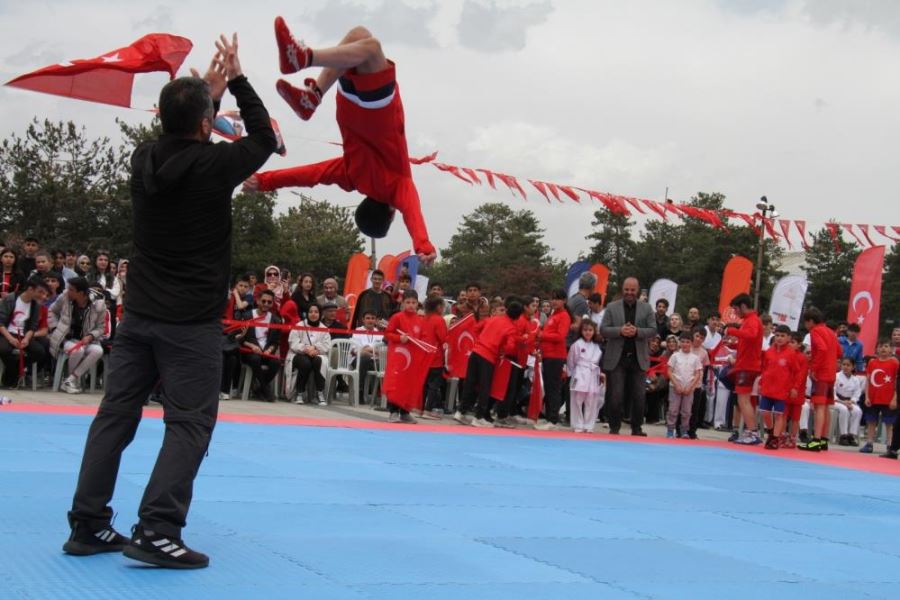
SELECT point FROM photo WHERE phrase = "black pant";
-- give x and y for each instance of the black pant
(508, 406)
(895, 437)
(698, 410)
(551, 369)
(366, 364)
(656, 402)
(187, 360)
(35, 352)
(479, 374)
(309, 365)
(264, 368)
(231, 362)
(627, 373)
(434, 388)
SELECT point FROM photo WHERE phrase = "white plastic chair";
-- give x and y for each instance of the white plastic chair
(62, 358)
(34, 374)
(375, 377)
(341, 362)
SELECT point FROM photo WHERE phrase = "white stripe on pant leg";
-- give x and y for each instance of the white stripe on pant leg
(804, 416)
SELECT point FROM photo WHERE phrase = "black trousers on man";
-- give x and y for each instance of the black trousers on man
(34, 352)
(551, 369)
(187, 359)
(628, 373)
(477, 388)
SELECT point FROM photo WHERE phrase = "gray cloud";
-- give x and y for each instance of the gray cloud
(160, 19)
(35, 56)
(393, 20)
(490, 28)
(881, 15)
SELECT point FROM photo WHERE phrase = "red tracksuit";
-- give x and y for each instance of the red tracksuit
(409, 323)
(749, 350)
(553, 337)
(779, 374)
(498, 338)
(882, 377)
(434, 332)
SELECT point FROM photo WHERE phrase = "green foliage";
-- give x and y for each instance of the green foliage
(501, 249)
(687, 251)
(890, 291)
(317, 237)
(829, 273)
(254, 234)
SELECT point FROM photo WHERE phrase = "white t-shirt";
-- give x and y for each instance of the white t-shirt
(262, 333)
(20, 316)
(712, 340)
(684, 366)
(363, 338)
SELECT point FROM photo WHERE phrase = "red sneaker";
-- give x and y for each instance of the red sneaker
(788, 442)
(303, 100)
(293, 54)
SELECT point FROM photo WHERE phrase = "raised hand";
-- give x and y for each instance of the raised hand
(214, 77)
(229, 52)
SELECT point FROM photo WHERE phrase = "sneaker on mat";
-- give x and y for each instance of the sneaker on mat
(813, 445)
(407, 418)
(482, 423)
(394, 417)
(867, 448)
(163, 551)
(507, 423)
(461, 418)
(750, 438)
(546, 426)
(84, 542)
(734, 436)
(889, 454)
(70, 385)
(670, 434)
(772, 443)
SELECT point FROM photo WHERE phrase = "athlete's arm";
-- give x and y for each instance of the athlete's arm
(328, 172)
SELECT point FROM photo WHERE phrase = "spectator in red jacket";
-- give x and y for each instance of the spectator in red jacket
(747, 364)
(823, 368)
(552, 340)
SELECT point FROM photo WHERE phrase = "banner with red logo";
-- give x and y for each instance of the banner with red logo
(355, 280)
(865, 296)
(406, 371)
(602, 273)
(460, 342)
(735, 280)
(108, 78)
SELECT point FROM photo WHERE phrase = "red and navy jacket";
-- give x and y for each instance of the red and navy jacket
(779, 374)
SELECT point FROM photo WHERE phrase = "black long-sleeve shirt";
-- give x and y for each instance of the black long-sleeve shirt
(181, 193)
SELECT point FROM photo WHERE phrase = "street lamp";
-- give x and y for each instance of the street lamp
(766, 210)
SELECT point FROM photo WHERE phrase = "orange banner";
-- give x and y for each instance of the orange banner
(735, 280)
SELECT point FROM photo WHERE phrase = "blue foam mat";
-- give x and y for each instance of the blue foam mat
(288, 512)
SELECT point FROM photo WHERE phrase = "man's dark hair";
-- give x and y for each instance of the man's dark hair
(369, 311)
(595, 298)
(79, 284)
(56, 253)
(267, 293)
(378, 272)
(701, 331)
(435, 284)
(813, 314)
(782, 329)
(713, 315)
(53, 275)
(853, 327)
(662, 301)
(37, 282)
(245, 278)
(31, 239)
(514, 308)
(404, 277)
(71, 252)
(587, 281)
(684, 335)
(373, 218)
(433, 303)
(473, 284)
(183, 103)
(559, 294)
(742, 300)
(797, 337)
(411, 294)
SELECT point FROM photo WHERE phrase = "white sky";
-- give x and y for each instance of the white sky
(794, 99)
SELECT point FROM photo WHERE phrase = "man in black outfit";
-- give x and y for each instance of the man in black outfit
(181, 186)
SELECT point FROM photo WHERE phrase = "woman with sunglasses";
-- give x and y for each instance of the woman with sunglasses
(83, 266)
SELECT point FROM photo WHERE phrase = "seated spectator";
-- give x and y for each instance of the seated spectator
(70, 265)
(365, 339)
(375, 299)
(83, 266)
(330, 296)
(262, 344)
(117, 293)
(237, 309)
(19, 318)
(42, 263)
(330, 320)
(305, 294)
(55, 282)
(26, 262)
(80, 316)
(676, 326)
(308, 350)
(10, 278)
(847, 392)
(100, 273)
(59, 260)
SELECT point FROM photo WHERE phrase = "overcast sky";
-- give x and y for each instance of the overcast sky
(794, 99)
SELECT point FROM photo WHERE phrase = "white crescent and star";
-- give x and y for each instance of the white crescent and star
(873, 378)
(462, 336)
(405, 354)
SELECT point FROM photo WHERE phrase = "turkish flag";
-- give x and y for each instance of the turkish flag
(108, 78)
(865, 296)
(406, 371)
(500, 382)
(460, 342)
(536, 400)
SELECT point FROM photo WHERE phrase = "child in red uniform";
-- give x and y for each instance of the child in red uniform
(747, 364)
(778, 380)
(793, 407)
(881, 394)
(552, 340)
(370, 116)
(823, 368)
(434, 332)
(497, 339)
(410, 323)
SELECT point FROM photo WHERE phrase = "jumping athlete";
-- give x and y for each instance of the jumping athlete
(370, 116)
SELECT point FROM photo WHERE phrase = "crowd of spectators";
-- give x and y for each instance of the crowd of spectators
(625, 362)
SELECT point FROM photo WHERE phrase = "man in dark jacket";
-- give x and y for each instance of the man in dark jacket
(262, 343)
(181, 187)
(19, 317)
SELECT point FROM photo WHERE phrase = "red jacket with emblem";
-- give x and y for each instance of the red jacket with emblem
(553, 337)
(779, 374)
(498, 338)
(408, 323)
(826, 350)
(749, 350)
(434, 332)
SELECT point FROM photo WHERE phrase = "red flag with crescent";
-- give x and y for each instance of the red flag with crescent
(460, 342)
(536, 399)
(406, 371)
(865, 296)
(500, 382)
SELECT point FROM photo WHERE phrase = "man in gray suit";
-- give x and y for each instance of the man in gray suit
(627, 326)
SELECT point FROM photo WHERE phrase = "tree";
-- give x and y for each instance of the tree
(317, 237)
(829, 272)
(64, 188)
(614, 246)
(501, 249)
(254, 233)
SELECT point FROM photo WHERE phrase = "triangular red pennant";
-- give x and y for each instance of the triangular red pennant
(655, 208)
(835, 235)
(512, 183)
(801, 227)
(634, 203)
(452, 169)
(554, 190)
(785, 230)
(865, 232)
(568, 191)
(849, 228)
(425, 159)
(539, 185)
(472, 174)
(883, 231)
(490, 177)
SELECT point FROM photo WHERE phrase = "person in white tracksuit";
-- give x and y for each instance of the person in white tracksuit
(586, 382)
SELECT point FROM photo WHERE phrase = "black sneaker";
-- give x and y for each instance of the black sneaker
(813, 445)
(163, 551)
(890, 454)
(84, 542)
(804, 436)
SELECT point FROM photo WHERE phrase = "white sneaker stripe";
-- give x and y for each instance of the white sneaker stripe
(179, 552)
(161, 542)
(168, 549)
(110, 535)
